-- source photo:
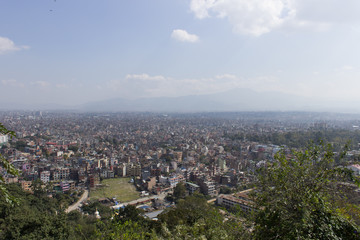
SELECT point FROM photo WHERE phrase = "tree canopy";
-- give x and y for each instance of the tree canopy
(298, 197)
(179, 191)
(35, 217)
(10, 169)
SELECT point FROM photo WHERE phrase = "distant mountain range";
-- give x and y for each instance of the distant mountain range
(233, 100)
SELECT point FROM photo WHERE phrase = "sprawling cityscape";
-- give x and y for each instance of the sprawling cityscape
(181, 119)
(215, 154)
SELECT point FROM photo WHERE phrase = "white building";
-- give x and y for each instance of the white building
(45, 176)
(4, 139)
(240, 200)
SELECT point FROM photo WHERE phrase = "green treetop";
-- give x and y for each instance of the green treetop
(298, 197)
(10, 169)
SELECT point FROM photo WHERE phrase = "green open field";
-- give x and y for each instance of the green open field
(116, 187)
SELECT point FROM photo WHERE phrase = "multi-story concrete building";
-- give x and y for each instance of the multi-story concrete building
(133, 170)
(173, 180)
(65, 186)
(45, 176)
(192, 187)
(120, 170)
(61, 174)
(105, 173)
(207, 188)
(240, 200)
(4, 139)
(94, 180)
(26, 186)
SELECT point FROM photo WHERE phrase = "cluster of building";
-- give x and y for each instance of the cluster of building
(75, 151)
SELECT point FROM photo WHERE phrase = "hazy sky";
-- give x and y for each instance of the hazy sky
(69, 52)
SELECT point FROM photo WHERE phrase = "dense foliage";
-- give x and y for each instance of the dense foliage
(192, 218)
(299, 197)
(10, 169)
(34, 217)
(179, 191)
(39, 217)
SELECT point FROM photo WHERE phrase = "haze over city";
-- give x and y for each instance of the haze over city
(62, 54)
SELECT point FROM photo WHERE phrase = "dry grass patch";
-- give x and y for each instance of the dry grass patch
(116, 187)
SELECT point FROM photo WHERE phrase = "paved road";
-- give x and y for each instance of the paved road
(76, 205)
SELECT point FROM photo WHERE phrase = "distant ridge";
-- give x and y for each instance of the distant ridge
(233, 100)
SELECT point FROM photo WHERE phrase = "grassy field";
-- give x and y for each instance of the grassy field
(116, 187)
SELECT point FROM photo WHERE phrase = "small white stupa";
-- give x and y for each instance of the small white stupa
(97, 214)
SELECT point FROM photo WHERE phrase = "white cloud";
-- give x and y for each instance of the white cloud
(226, 76)
(250, 17)
(6, 45)
(184, 36)
(41, 83)
(12, 83)
(347, 68)
(145, 77)
(257, 17)
(201, 7)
